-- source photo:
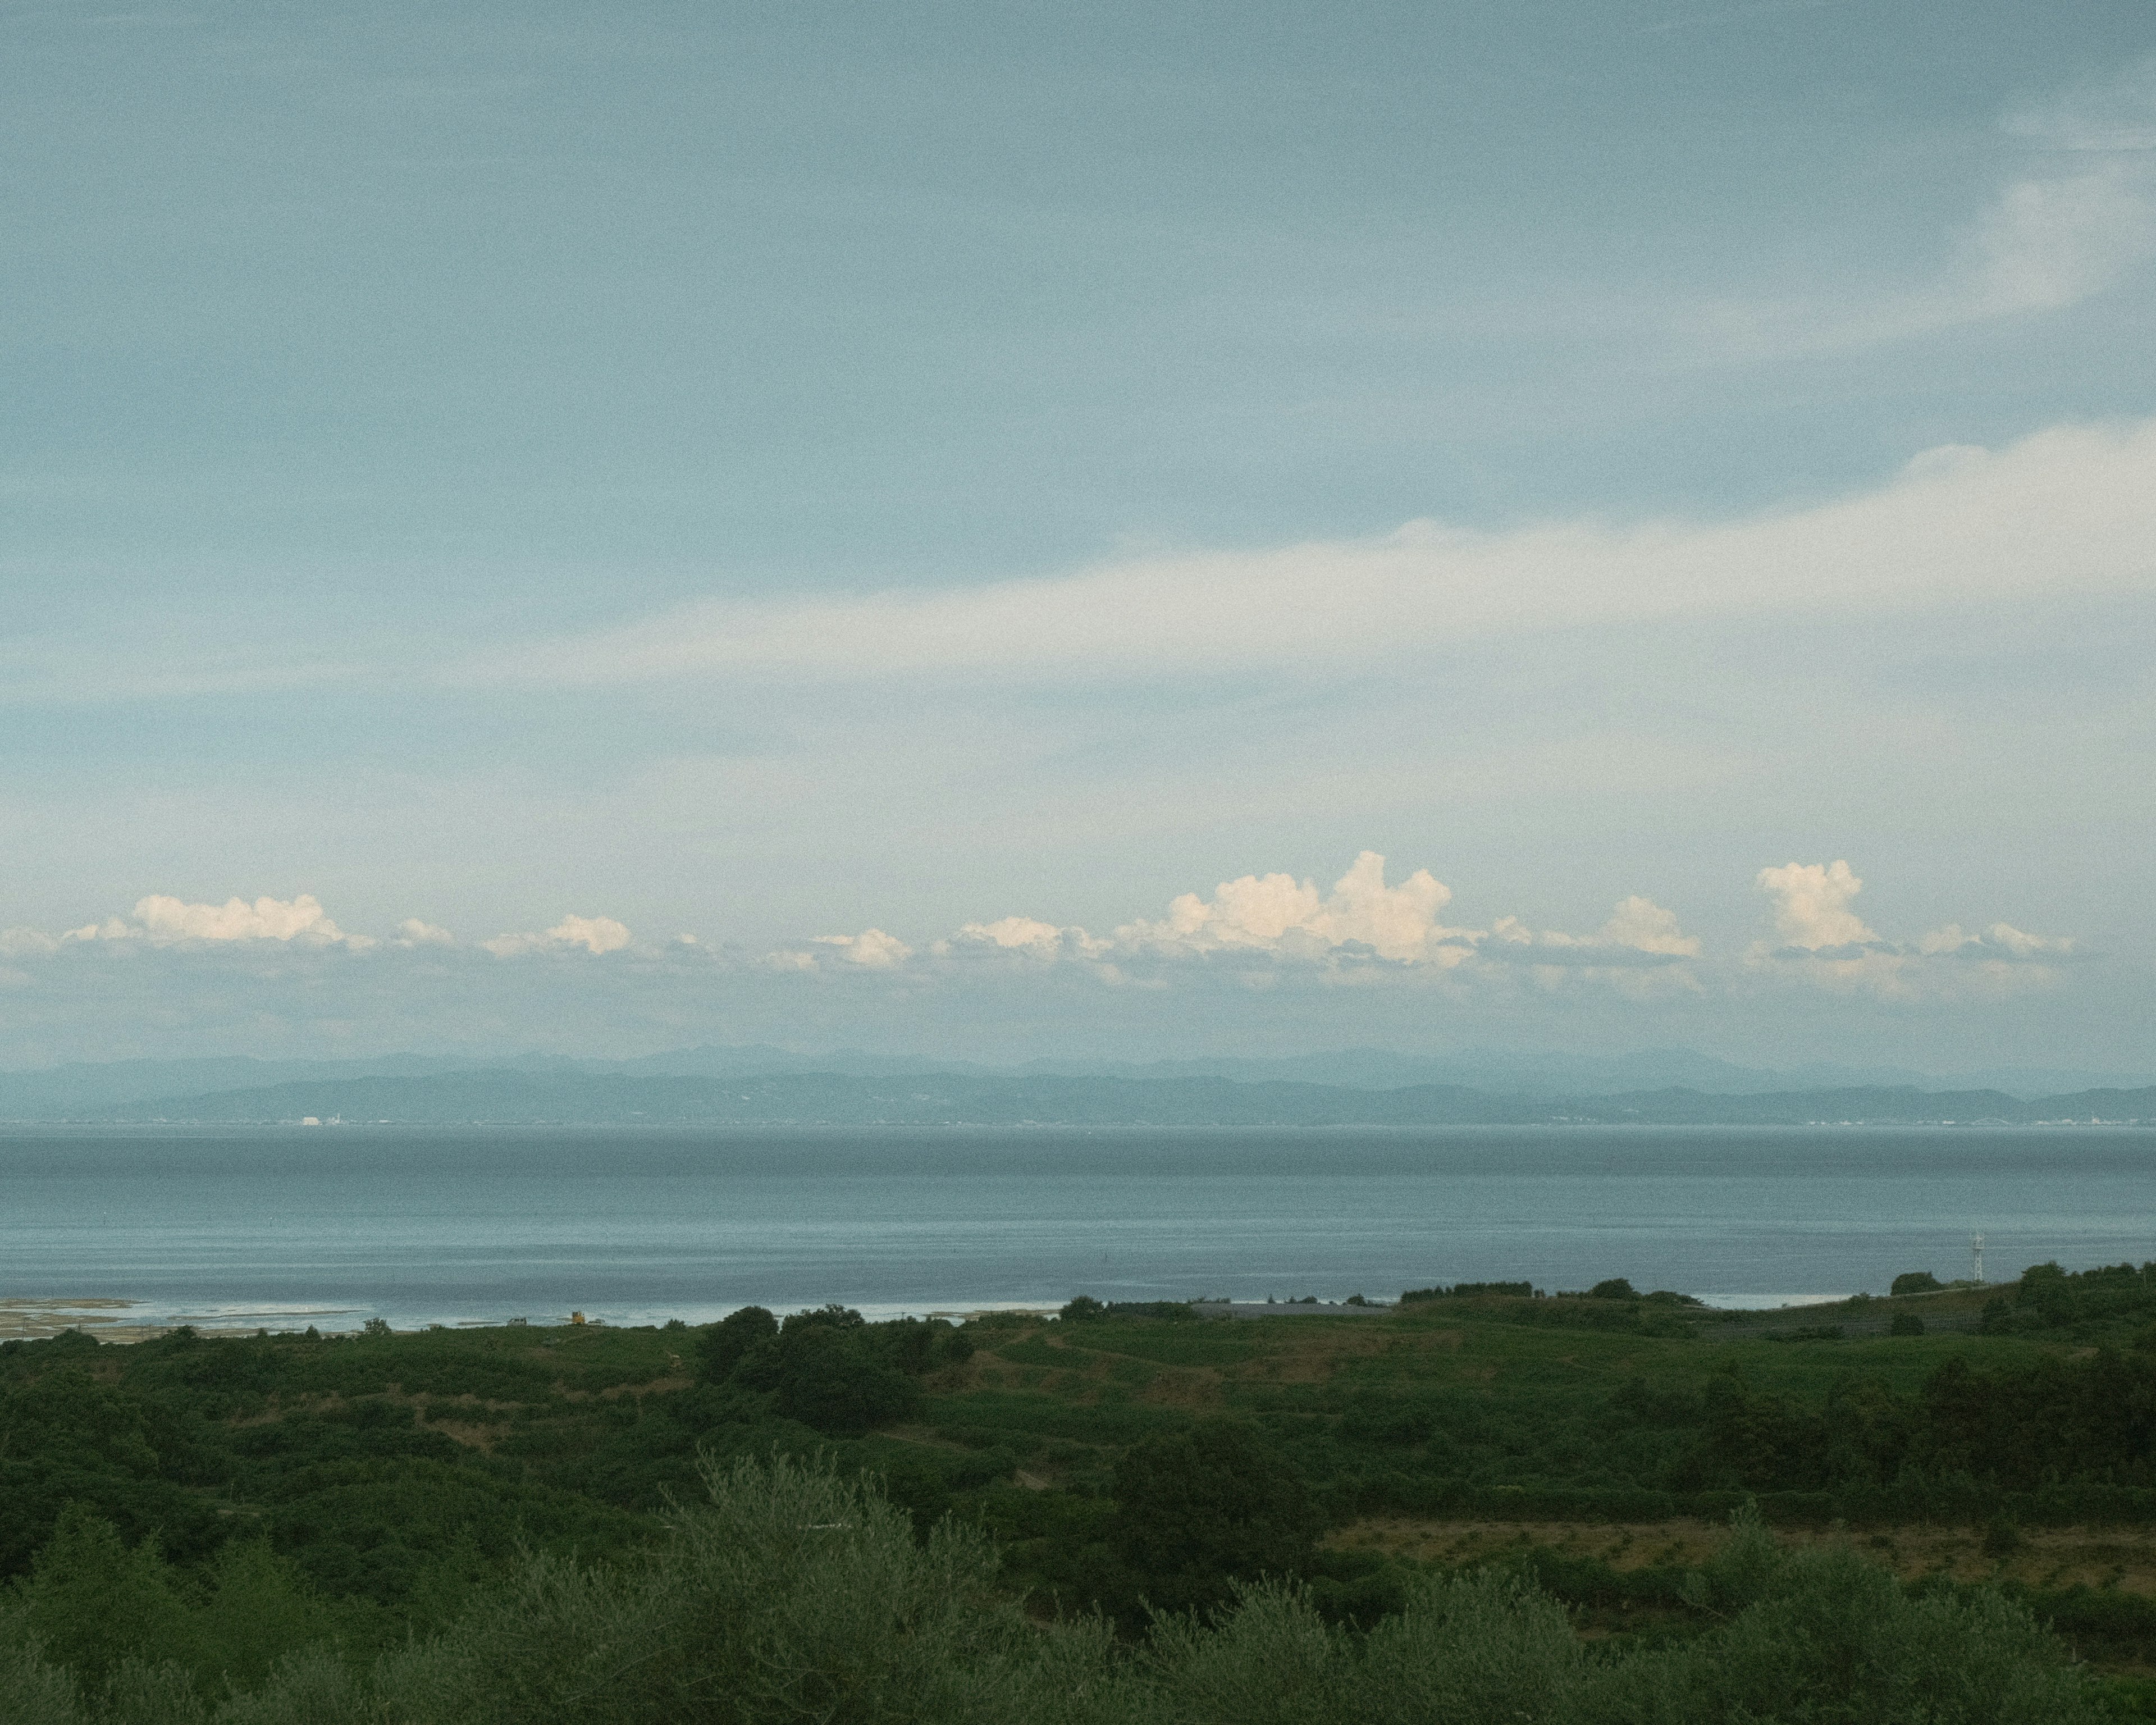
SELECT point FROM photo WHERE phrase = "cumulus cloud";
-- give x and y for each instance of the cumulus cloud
(1811, 906)
(2072, 510)
(871, 948)
(1638, 932)
(595, 934)
(1822, 941)
(164, 920)
(1264, 931)
(1279, 913)
(1261, 930)
(1364, 924)
(2000, 939)
(1645, 927)
(1016, 934)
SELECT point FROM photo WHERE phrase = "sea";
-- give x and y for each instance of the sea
(279, 1228)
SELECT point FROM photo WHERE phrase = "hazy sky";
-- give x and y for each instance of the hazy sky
(981, 515)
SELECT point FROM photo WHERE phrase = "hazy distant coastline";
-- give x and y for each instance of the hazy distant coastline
(925, 1099)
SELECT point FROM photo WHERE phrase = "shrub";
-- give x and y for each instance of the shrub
(1477, 1650)
(720, 1348)
(791, 1595)
(831, 1316)
(1471, 1651)
(1915, 1282)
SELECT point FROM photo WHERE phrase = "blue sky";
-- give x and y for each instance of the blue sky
(773, 475)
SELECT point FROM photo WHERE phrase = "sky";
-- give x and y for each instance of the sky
(990, 531)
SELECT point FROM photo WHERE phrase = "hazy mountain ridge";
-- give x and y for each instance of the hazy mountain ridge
(509, 1097)
(93, 1088)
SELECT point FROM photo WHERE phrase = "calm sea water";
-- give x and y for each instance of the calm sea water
(334, 1225)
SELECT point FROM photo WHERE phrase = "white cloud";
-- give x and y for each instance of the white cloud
(2046, 242)
(2072, 510)
(1012, 934)
(1823, 942)
(1279, 913)
(1261, 929)
(2051, 243)
(1273, 931)
(2005, 937)
(1639, 930)
(1811, 904)
(871, 948)
(2000, 939)
(595, 934)
(2051, 238)
(1362, 922)
(1645, 927)
(165, 919)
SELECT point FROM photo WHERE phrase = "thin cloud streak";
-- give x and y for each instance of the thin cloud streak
(2069, 510)
(2046, 243)
(2048, 240)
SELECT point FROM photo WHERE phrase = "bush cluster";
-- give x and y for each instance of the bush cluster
(828, 1369)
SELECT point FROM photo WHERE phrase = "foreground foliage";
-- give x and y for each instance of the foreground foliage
(792, 1593)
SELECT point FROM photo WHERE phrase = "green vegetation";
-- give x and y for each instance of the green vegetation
(488, 1524)
(794, 1594)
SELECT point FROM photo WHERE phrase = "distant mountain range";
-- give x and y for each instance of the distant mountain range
(512, 1096)
(1472, 1084)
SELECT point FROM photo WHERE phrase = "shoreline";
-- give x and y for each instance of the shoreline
(119, 1319)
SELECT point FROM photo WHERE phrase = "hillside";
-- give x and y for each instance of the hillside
(1984, 1443)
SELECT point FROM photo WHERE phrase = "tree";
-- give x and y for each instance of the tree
(1199, 1508)
(94, 1602)
(724, 1343)
(828, 1379)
